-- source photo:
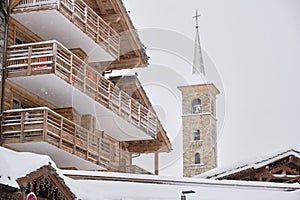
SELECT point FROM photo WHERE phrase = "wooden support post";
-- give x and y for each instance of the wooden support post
(29, 61)
(156, 163)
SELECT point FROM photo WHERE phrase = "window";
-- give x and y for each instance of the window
(196, 106)
(197, 158)
(196, 134)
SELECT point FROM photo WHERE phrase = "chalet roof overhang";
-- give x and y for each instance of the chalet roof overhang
(132, 86)
(132, 51)
(283, 167)
(45, 180)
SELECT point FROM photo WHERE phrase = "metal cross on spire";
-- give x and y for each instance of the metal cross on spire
(198, 65)
(196, 17)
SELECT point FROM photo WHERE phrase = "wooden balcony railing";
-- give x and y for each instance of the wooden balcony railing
(85, 18)
(43, 124)
(51, 57)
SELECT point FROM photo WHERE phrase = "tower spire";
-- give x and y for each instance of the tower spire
(198, 65)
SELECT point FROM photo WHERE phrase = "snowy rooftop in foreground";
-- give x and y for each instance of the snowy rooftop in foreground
(257, 163)
(15, 165)
(105, 185)
(91, 185)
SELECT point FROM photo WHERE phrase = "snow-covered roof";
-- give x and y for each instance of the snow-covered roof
(108, 185)
(255, 164)
(15, 165)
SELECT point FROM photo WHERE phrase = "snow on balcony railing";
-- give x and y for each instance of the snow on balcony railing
(51, 57)
(85, 18)
(43, 124)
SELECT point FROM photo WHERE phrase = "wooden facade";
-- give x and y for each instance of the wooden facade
(30, 117)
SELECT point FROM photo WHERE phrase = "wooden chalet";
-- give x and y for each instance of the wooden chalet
(283, 167)
(57, 101)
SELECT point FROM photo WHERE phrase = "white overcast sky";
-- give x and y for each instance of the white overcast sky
(255, 47)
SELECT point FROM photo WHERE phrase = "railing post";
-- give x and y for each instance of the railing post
(139, 116)
(130, 110)
(54, 57)
(120, 102)
(86, 18)
(74, 140)
(73, 10)
(108, 40)
(61, 132)
(109, 95)
(97, 39)
(45, 119)
(22, 126)
(29, 60)
(97, 86)
(71, 70)
(87, 145)
(99, 149)
(84, 77)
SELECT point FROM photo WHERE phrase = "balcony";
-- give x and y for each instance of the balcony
(41, 130)
(54, 73)
(73, 23)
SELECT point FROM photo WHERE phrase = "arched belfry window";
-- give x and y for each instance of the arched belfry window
(196, 106)
(197, 158)
(197, 134)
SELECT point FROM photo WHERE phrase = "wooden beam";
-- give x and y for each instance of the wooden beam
(101, 6)
(156, 163)
(14, 3)
(145, 146)
(127, 25)
(123, 63)
(111, 18)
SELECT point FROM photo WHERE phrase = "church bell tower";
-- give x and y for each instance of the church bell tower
(199, 121)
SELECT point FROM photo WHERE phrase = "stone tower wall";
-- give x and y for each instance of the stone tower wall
(206, 123)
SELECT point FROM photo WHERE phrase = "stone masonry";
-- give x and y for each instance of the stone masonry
(205, 122)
